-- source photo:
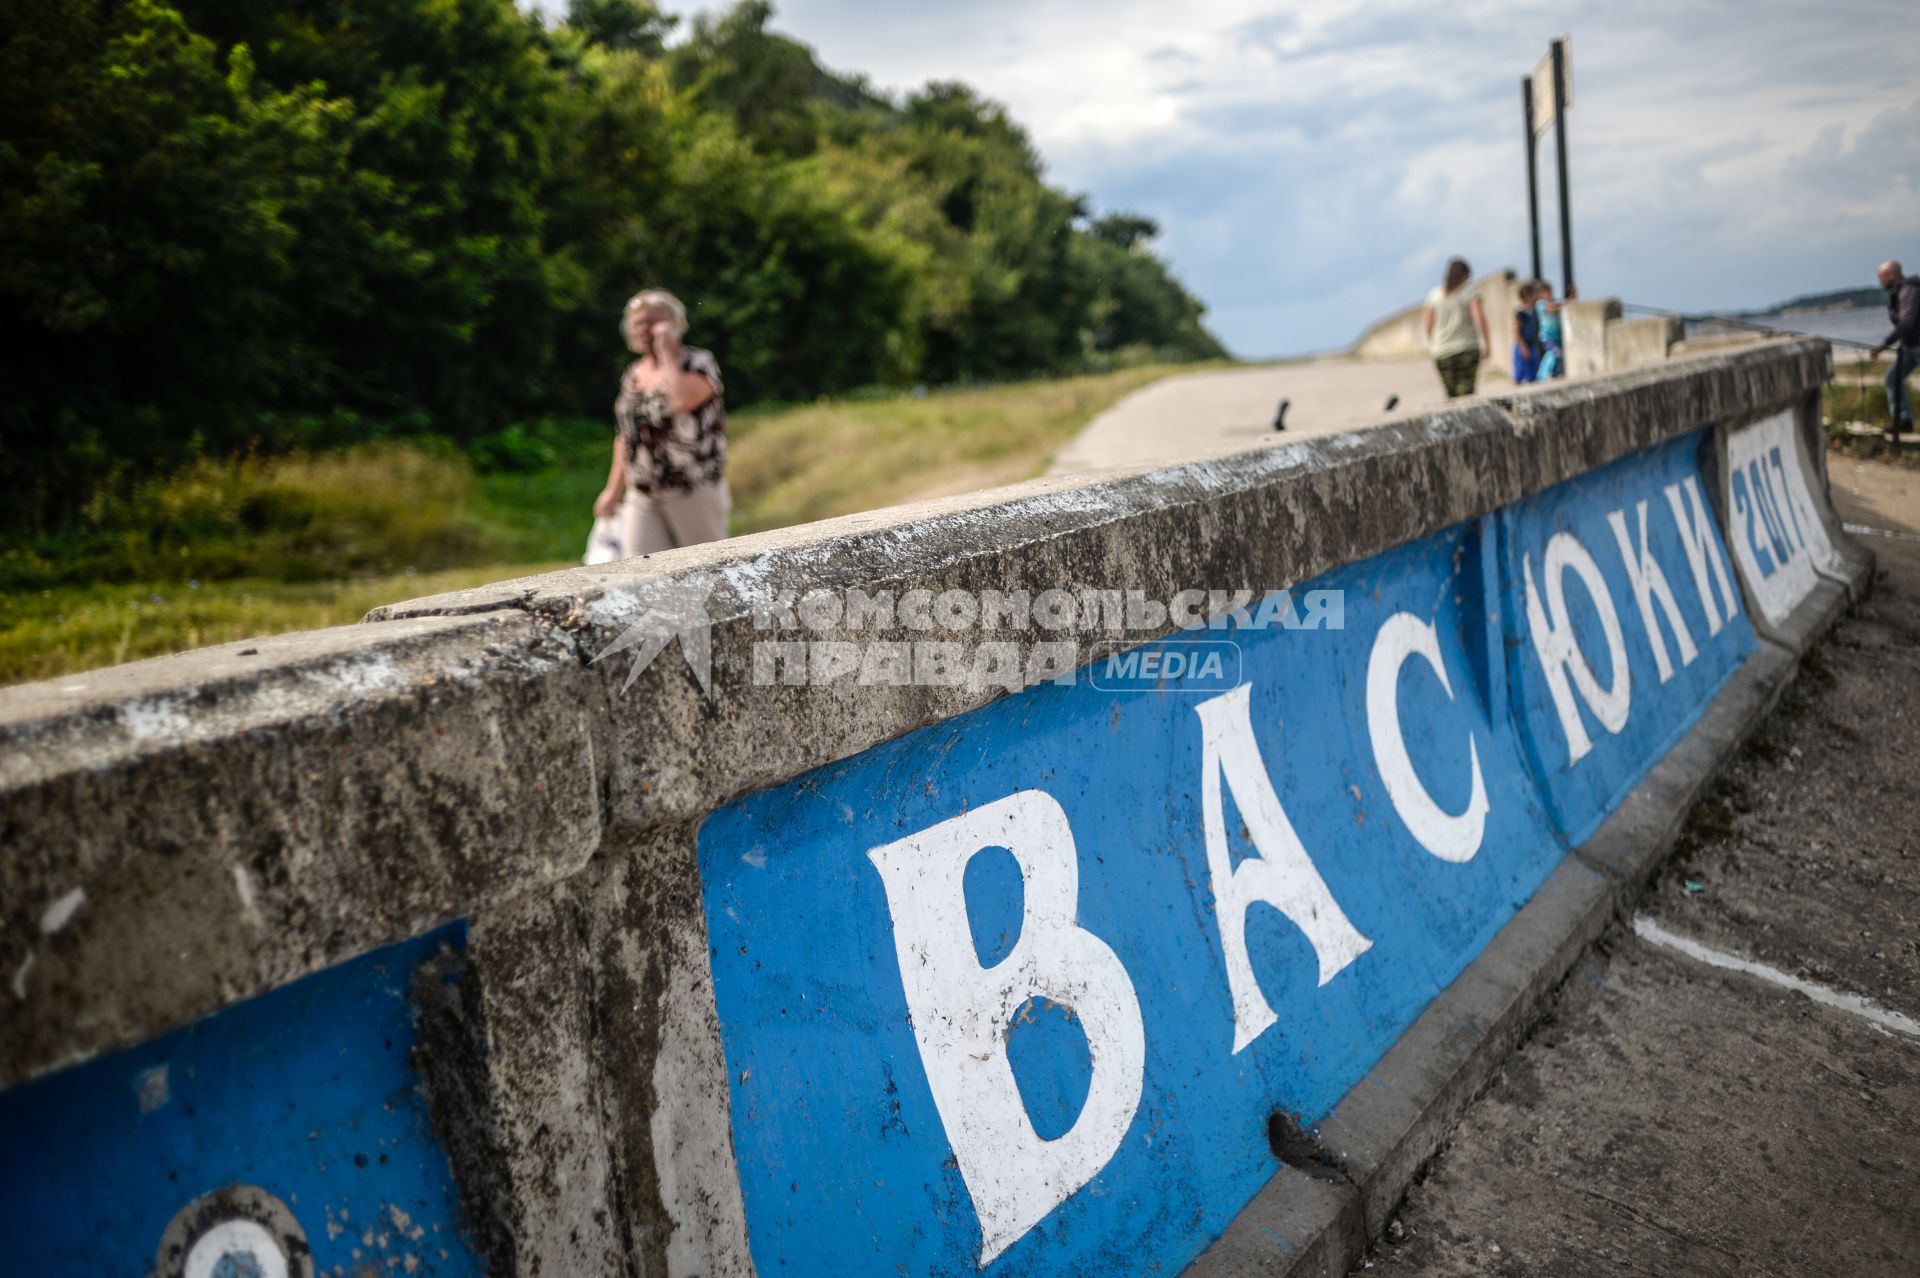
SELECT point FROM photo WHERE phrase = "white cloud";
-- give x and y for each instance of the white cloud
(1312, 166)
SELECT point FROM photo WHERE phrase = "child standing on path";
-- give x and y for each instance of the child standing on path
(1553, 360)
(1526, 335)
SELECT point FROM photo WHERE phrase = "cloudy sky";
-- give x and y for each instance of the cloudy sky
(1312, 165)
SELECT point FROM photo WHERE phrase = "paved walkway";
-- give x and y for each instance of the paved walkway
(1676, 1117)
(1207, 414)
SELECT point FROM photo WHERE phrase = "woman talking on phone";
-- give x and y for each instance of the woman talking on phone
(668, 483)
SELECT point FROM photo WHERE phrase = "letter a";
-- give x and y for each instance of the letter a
(1281, 875)
(961, 1011)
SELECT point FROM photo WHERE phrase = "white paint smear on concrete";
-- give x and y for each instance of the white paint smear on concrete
(361, 677)
(61, 912)
(1878, 1017)
(1862, 530)
(243, 884)
(154, 720)
(153, 1088)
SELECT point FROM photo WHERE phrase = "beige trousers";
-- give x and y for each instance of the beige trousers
(665, 520)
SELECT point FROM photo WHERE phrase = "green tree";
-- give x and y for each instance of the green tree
(150, 189)
(427, 278)
(635, 26)
(1124, 230)
(1025, 311)
(1137, 303)
(616, 127)
(789, 292)
(228, 224)
(768, 83)
(794, 297)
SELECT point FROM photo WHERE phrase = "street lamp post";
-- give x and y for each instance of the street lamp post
(1560, 149)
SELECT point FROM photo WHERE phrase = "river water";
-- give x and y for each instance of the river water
(1866, 325)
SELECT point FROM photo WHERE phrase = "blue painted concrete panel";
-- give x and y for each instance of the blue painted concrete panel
(306, 1093)
(1657, 712)
(846, 1163)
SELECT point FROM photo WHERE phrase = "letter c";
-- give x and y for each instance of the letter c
(1449, 837)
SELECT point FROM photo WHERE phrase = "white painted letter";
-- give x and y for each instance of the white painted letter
(1281, 875)
(1703, 549)
(1451, 838)
(962, 1011)
(1559, 652)
(1650, 583)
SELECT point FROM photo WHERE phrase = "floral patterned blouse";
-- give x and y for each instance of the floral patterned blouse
(668, 451)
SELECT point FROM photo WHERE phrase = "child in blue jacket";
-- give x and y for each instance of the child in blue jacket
(1526, 335)
(1553, 359)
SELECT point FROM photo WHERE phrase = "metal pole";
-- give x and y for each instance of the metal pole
(1560, 147)
(1533, 174)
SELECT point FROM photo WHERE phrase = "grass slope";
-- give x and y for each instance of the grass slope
(253, 547)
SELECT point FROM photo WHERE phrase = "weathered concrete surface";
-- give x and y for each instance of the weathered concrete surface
(342, 790)
(657, 1051)
(1391, 1123)
(520, 1105)
(184, 832)
(1641, 343)
(188, 832)
(1583, 332)
(588, 1059)
(1673, 1121)
(1674, 1118)
(1304, 1224)
(1709, 343)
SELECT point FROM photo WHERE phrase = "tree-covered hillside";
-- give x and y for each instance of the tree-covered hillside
(231, 225)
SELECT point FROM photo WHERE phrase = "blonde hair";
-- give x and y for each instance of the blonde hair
(660, 300)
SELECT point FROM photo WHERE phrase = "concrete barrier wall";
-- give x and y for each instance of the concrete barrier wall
(835, 946)
(1402, 335)
(1712, 342)
(1641, 343)
(1583, 331)
(1398, 336)
(1500, 298)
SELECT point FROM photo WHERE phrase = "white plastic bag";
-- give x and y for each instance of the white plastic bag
(603, 543)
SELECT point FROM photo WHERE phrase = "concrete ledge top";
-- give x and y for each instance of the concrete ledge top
(189, 831)
(95, 717)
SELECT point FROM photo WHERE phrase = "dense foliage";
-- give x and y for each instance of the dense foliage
(239, 224)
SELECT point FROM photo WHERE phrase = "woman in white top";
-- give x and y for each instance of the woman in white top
(1456, 329)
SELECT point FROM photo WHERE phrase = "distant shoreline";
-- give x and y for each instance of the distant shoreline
(1844, 325)
(1833, 302)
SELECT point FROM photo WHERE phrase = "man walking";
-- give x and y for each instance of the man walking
(1903, 309)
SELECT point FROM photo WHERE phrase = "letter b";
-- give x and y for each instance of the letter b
(961, 1011)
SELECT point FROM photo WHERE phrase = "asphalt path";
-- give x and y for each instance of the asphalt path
(1194, 415)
